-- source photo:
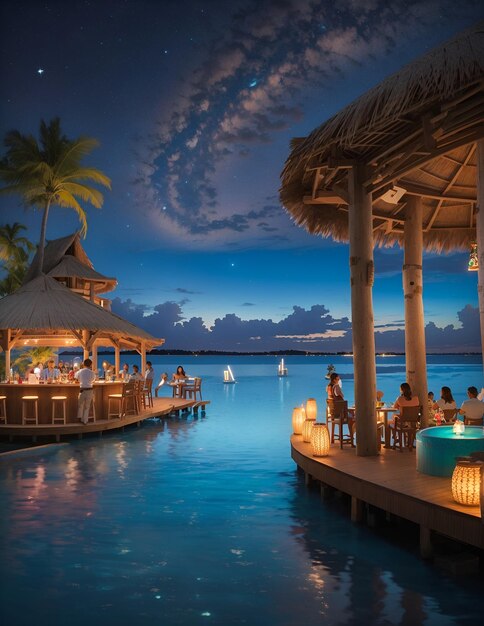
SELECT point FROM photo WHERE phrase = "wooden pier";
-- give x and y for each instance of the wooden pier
(391, 482)
(162, 407)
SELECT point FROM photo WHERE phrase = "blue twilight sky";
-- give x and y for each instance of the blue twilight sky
(194, 104)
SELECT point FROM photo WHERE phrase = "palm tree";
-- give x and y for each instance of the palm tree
(28, 359)
(15, 250)
(49, 172)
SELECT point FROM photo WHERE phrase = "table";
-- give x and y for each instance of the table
(386, 411)
(438, 448)
(14, 393)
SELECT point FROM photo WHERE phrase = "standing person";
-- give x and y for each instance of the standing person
(86, 378)
(150, 372)
(472, 409)
(50, 372)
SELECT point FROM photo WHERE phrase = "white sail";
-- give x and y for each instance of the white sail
(228, 375)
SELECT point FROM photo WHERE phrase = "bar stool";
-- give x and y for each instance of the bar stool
(92, 412)
(3, 409)
(26, 401)
(56, 400)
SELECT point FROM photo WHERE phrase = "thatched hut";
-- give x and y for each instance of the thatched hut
(398, 165)
(62, 308)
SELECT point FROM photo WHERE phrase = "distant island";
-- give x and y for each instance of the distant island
(269, 353)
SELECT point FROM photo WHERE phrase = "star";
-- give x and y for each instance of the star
(40, 71)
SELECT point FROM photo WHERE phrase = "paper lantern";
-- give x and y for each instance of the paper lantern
(307, 429)
(311, 409)
(466, 481)
(458, 428)
(320, 440)
(298, 419)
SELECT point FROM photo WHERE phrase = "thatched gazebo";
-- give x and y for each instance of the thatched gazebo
(401, 164)
(63, 308)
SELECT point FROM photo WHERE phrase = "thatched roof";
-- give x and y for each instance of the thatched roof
(44, 307)
(416, 130)
(55, 250)
(70, 266)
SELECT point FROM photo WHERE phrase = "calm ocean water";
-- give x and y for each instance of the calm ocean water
(205, 521)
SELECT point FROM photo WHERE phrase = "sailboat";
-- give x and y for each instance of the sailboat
(228, 376)
(281, 369)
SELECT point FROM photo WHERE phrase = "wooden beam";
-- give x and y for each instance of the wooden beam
(413, 189)
(480, 236)
(324, 197)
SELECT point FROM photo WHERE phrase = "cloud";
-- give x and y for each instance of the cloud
(313, 329)
(250, 85)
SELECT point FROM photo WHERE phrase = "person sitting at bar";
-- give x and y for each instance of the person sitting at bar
(406, 398)
(38, 369)
(163, 380)
(124, 373)
(472, 409)
(136, 374)
(50, 373)
(179, 375)
(86, 378)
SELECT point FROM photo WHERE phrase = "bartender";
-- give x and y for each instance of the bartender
(50, 372)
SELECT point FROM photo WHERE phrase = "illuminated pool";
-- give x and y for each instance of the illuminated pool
(438, 448)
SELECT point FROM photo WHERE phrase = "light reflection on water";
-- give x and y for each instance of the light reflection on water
(190, 521)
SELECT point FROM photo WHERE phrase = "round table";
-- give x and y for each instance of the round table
(438, 447)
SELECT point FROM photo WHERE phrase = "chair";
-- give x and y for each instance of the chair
(190, 391)
(26, 401)
(146, 396)
(449, 415)
(3, 409)
(127, 401)
(56, 401)
(337, 415)
(405, 426)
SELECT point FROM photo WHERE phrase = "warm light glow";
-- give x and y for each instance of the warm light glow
(320, 440)
(458, 428)
(466, 482)
(311, 409)
(473, 264)
(298, 419)
(307, 429)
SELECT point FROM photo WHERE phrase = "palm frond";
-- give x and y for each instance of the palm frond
(87, 194)
(91, 174)
(65, 199)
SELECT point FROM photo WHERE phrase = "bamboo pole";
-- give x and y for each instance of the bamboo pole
(362, 272)
(480, 236)
(85, 349)
(117, 362)
(415, 354)
(143, 358)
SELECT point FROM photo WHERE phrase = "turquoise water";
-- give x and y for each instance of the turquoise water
(205, 521)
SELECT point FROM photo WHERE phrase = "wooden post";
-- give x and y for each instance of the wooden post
(143, 358)
(362, 273)
(94, 357)
(85, 340)
(415, 353)
(117, 361)
(480, 236)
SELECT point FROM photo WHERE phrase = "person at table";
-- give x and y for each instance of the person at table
(179, 375)
(38, 369)
(50, 372)
(163, 381)
(446, 401)
(149, 371)
(86, 378)
(333, 389)
(430, 404)
(61, 366)
(406, 398)
(124, 373)
(135, 374)
(472, 409)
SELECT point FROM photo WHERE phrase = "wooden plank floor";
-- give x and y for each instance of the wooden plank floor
(391, 482)
(161, 407)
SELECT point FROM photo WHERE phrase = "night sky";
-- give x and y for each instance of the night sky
(194, 104)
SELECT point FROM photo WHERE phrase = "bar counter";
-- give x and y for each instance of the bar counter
(14, 393)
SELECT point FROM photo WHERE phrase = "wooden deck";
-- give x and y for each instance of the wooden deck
(162, 407)
(391, 482)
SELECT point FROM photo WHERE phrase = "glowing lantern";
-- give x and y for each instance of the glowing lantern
(473, 264)
(458, 428)
(320, 440)
(311, 409)
(466, 481)
(307, 429)
(298, 419)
